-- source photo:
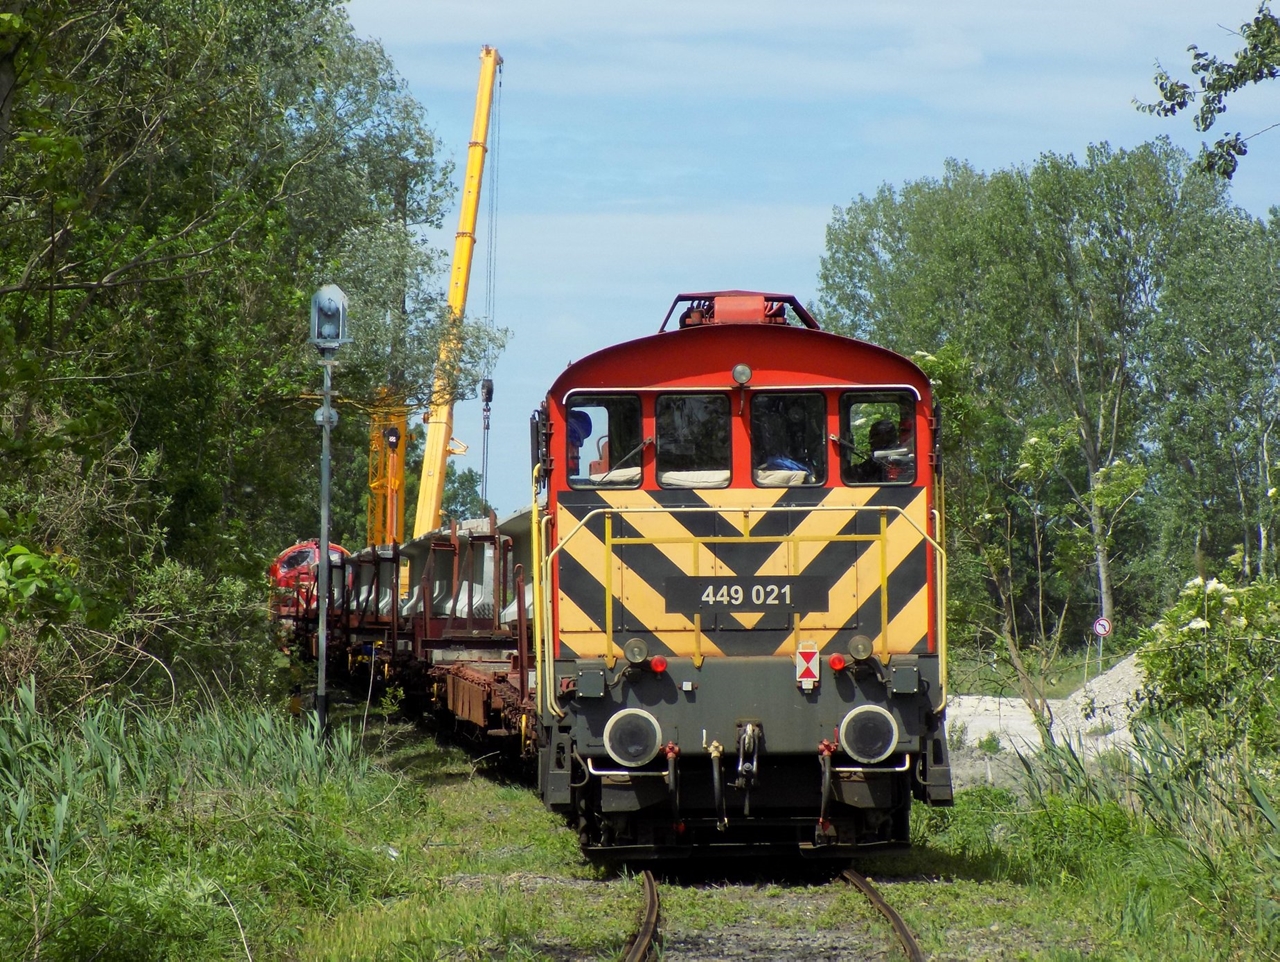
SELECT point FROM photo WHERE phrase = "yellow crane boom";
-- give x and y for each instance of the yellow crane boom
(439, 417)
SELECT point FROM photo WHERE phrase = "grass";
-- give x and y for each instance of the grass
(1132, 858)
(239, 834)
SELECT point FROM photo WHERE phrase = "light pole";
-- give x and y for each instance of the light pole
(328, 333)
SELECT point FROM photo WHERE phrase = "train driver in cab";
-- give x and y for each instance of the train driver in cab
(579, 431)
(875, 468)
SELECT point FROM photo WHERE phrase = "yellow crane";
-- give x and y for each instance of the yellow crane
(388, 416)
(388, 431)
(439, 417)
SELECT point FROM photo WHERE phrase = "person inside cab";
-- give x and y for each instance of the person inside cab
(876, 467)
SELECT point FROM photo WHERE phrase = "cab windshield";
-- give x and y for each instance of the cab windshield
(788, 439)
(693, 441)
(877, 438)
(604, 442)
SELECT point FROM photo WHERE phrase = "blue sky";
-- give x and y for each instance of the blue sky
(649, 149)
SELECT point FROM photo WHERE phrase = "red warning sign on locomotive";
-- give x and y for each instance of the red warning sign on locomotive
(807, 665)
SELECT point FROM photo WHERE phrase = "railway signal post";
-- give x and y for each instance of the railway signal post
(328, 333)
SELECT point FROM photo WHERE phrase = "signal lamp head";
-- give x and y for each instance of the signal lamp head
(658, 664)
(741, 374)
(837, 662)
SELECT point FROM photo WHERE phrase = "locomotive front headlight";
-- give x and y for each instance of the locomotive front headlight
(741, 374)
(861, 647)
(869, 734)
(632, 737)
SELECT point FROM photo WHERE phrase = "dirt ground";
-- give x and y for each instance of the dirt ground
(1095, 718)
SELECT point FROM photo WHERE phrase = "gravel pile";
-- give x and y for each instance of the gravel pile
(1094, 718)
(1101, 709)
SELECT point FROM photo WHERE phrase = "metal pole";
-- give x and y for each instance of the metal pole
(322, 600)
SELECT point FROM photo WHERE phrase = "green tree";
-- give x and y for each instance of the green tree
(462, 494)
(1216, 79)
(1214, 367)
(175, 180)
(1044, 285)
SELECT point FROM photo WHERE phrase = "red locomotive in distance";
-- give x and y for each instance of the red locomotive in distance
(293, 578)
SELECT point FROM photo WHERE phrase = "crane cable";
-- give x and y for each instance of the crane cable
(490, 268)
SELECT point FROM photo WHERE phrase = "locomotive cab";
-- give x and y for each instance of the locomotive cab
(739, 595)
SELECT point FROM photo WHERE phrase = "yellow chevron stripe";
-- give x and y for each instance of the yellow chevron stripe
(911, 623)
(674, 630)
(689, 555)
(575, 621)
(794, 553)
(822, 524)
(863, 579)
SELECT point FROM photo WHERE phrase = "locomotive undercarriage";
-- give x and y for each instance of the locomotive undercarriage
(622, 816)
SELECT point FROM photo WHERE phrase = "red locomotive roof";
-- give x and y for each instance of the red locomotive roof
(705, 355)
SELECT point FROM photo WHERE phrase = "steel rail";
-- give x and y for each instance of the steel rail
(642, 943)
(909, 943)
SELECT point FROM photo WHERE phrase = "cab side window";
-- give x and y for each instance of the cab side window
(788, 439)
(877, 438)
(693, 447)
(604, 442)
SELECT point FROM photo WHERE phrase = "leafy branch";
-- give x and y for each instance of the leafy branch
(1256, 61)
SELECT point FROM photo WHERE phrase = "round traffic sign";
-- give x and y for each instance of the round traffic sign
(1102, 627)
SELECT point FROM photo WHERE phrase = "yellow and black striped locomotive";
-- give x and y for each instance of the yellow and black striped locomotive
(739, 588)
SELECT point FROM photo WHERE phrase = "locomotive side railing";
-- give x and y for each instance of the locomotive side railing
(544, 648)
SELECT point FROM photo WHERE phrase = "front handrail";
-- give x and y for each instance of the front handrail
(542, 594)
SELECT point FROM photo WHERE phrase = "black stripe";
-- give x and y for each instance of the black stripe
(905, 582)
(587, 593)
(700, 524)
(580, 503)
(890, 497)
(775, 523)
(648, 563)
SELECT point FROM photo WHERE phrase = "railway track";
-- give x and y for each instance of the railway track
(645, 939)
(863, 885)
(643, 943)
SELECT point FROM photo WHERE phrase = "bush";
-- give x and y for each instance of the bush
(1213, 664)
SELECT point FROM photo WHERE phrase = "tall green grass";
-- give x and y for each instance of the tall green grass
(132, 836)
(239, 833)
(1180, 859)
(1210, 830)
